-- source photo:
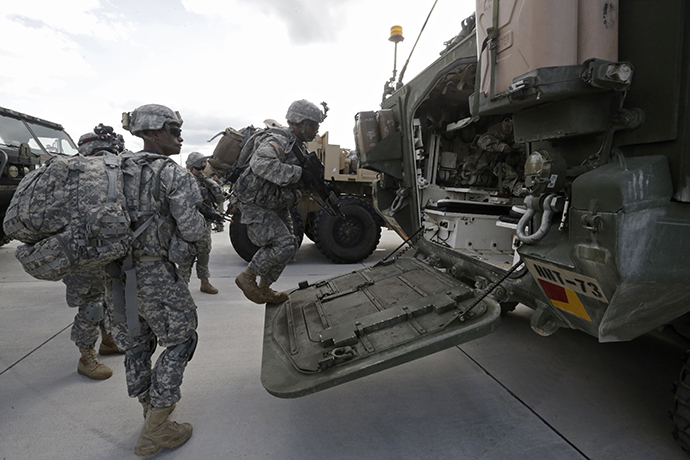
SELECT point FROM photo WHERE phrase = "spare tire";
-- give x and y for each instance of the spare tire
(349, 240)
(243, 245)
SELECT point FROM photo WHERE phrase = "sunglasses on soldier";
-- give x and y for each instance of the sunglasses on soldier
(314, 125)
(175, 131)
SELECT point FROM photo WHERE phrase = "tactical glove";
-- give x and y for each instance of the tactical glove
(307, 178)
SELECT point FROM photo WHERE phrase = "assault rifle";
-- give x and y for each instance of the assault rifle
(328, 192)
(210, 214)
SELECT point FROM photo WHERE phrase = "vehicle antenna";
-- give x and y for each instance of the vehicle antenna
(402, 72)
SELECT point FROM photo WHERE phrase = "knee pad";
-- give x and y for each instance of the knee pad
(287, 248)
(93, 312)
(184, 350)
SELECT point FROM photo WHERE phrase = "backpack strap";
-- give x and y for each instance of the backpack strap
(112, 169)
(125, 300)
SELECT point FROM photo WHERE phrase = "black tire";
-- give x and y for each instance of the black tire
(4, 239)
(309, 226)
(239, 238)
(349, 240)
(243, 245)
(681, 406)
(507, 307)
(297, 226)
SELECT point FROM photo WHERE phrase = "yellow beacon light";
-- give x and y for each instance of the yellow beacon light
(396, 34)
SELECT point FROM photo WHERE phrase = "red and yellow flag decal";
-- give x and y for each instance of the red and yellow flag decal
(565, 299)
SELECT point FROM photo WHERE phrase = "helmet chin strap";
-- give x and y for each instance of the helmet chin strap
(153, 140)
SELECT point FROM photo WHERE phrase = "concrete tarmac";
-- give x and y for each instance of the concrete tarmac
(511, 395)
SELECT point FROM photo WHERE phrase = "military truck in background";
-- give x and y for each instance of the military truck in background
(542, 159)
(342, 240)
(25, 142)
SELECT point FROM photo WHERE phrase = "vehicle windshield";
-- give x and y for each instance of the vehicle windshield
(14, 132)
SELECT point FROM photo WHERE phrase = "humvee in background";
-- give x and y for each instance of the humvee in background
(25, 142)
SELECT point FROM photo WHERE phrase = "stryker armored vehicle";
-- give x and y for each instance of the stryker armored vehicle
(25, 141)
(542, 159)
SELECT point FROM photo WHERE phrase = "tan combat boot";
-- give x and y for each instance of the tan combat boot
(271, 295)
(207, 287)
(146, 405)
(159, 432)
(247, 282)
(91, 367)
(108, 346)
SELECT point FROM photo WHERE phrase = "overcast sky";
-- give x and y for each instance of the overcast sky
(218, 62)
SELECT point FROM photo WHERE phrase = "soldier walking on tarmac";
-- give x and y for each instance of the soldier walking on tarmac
(166, 311)
(267, 190)
(85, 289)
(213, 196)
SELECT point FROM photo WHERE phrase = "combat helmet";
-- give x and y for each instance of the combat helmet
(101, 138)
(304, 110)
(149, 117)
(195, 159)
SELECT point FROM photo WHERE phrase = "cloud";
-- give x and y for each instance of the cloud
(219, 62)
(92, 18)
(44, 62)
(303, 22)
(41, 42)
(306, 21)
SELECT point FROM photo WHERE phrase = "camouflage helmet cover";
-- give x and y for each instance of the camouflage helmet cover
(304, 110)
(151, 117)
(101, 138)
(195, 159)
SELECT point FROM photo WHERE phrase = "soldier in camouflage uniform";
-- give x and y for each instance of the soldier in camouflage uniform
(85, 290)
(166, 311)
(266, 191)
(212, 195)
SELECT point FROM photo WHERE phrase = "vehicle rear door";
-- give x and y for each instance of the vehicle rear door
(362, 322)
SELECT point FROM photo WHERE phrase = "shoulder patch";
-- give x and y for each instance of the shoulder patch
(277, 147)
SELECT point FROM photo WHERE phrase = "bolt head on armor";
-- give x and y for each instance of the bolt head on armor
(101, 138)
(195, 159)
(151, 117)
(304, 110)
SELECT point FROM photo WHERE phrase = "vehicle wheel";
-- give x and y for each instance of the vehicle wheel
(4, 239)
(349, 240)
(681, 406)
(297, 226)
(240, 240)
(507, 307)
(243, 245)
(309, 226)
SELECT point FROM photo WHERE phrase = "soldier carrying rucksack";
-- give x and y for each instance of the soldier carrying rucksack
(270, 185)
(85, 289)
(134, 215)
(167, 315)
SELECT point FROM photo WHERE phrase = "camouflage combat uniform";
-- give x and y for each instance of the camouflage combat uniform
(212, 195)
(167, 312)
(83, 289)
(266, 191)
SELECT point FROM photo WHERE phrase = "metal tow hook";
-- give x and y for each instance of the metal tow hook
(399, 202)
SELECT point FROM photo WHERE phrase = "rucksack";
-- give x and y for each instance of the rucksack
(229, 147)
(73, 214)
(248, 148)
